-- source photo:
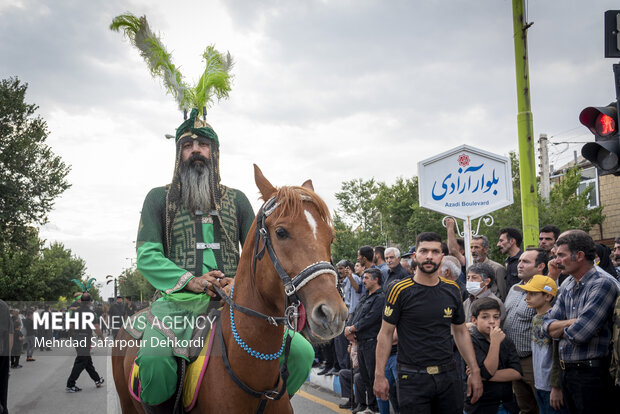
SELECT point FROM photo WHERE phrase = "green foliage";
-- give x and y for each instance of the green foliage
(135, 285)
(17, 281)
(370, 212)
(566, 209)
(31, 176)
(36, 273)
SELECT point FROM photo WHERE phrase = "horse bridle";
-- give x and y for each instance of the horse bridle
(291, 286)
(302, 278)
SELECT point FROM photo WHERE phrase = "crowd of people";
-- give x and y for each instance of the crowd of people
(429, 333)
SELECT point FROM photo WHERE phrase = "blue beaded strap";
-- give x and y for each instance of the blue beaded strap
(246, 347)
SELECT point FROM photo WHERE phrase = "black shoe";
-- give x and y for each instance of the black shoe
(73, 389)
(360, 408)
(324, 371)
(99, 383)
(333, 371)
(346, 405)
(374, 408)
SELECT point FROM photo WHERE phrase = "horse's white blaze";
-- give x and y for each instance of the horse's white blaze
(311, 222)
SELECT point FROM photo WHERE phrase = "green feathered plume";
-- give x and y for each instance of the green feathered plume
(79, 284)
(90, 283)
(214, 82)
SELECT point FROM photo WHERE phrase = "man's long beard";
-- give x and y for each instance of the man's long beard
(195, 184)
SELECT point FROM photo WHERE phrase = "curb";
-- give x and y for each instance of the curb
(328, 382)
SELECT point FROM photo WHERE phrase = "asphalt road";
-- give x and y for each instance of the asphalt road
(39, 387)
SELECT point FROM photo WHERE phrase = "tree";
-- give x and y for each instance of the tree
(31, 176)
(37, 273)
(567, 209)
(135, 285)
(357, 221)
(17, 281)
(372, 213)
(56, 267)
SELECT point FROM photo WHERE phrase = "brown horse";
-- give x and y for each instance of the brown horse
(300, 230)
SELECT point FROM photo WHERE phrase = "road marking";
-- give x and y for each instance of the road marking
(324, 403)
(114, 405)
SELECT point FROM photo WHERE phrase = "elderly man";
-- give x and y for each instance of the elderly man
(479, 249)
(396, 271)
(451, 269)
(581, 319)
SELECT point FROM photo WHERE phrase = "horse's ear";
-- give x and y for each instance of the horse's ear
(264, 186)
(308, 184)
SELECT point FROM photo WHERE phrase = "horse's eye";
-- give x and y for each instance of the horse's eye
(281, 233)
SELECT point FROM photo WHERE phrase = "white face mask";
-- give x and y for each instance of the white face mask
(474, 288)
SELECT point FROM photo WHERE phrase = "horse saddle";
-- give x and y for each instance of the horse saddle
(190, 377)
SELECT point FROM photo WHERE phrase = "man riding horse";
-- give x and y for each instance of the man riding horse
(189, 237)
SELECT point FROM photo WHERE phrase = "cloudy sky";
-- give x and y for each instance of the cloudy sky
(328, 90)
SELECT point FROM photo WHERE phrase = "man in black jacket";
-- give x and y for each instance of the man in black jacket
(397, 271)
(364, 328)
(117, 315)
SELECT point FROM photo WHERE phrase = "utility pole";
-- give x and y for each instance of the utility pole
(545, 185)
(527, 165)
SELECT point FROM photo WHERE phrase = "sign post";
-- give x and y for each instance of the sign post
(466, 183)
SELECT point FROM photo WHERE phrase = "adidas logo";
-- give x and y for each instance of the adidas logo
(447, 313)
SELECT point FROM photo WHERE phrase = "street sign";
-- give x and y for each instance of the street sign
(465, 182)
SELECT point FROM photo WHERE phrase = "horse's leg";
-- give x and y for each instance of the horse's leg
(122, 361)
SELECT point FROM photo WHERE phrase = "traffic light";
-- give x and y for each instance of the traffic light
(612, 33)
(604, 153)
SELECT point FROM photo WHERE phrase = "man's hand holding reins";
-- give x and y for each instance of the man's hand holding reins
(205, 283)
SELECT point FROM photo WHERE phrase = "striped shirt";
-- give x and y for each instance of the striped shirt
(590, 301)
(518, 323)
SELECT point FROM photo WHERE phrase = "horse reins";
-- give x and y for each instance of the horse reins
(291, 314)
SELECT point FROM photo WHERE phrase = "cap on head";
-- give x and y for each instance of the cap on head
(540, 283)
(409, 253)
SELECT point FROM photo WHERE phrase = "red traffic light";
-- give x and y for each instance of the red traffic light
(605, 125)
(602, 121)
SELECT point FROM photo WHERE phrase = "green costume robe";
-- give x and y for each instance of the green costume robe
(198, 245)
